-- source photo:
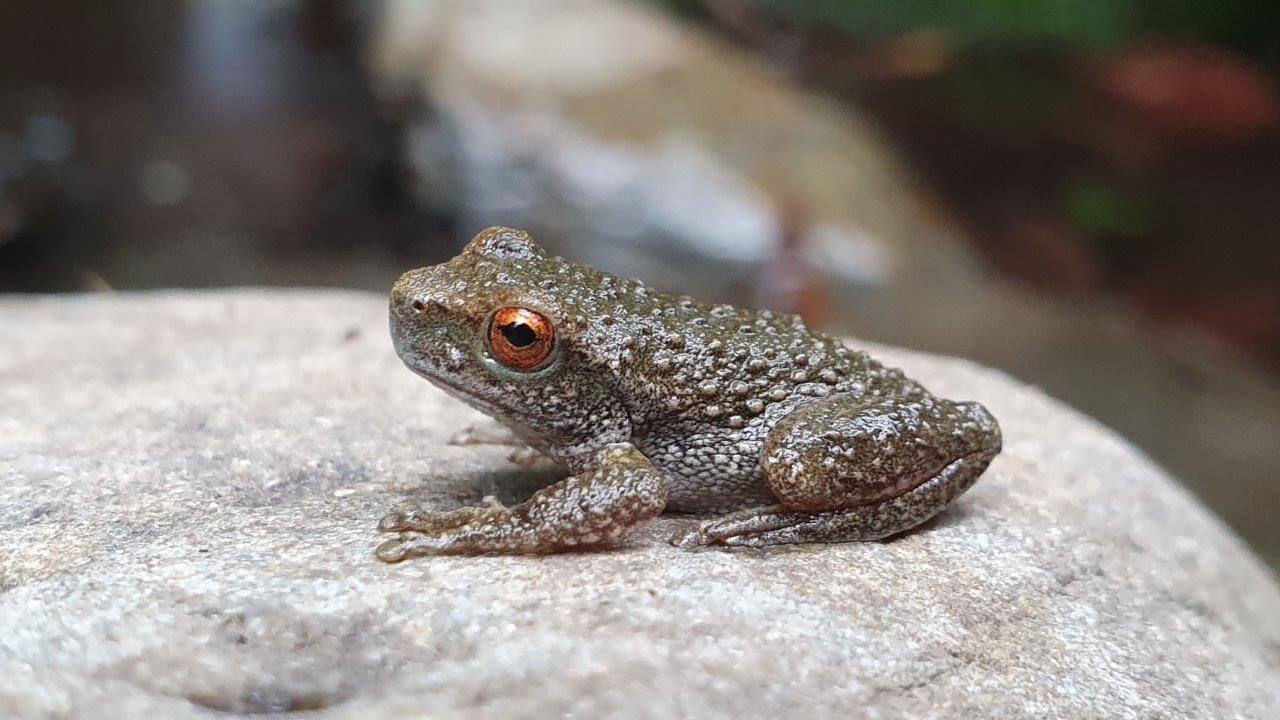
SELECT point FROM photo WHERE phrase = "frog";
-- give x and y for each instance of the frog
(653, 402)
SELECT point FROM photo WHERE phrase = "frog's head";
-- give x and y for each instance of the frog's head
(502, 326)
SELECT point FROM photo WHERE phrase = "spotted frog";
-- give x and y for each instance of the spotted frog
(654, 402)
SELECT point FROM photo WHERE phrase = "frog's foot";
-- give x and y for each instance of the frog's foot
(485, 434)
(777, 524)
(524, 457)
(427, 521)
(755, 520)
(848, 473)
(593, 508)
(489, 434)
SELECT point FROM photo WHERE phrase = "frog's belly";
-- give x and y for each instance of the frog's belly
(708, 469)
(717, 494)
(711, 481)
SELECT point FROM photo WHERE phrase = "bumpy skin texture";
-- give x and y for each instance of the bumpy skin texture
(658, 402)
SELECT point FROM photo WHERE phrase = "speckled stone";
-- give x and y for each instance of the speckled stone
(189, 485)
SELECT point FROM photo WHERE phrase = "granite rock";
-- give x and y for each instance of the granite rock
(189, 484)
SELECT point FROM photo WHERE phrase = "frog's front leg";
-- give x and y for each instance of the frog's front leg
(844, 470)
(476, 434)
(594, 507)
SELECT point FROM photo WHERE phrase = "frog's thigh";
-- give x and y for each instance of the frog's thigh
(591, 508)
(839, 452)
(848, 471)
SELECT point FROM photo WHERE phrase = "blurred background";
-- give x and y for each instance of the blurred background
(1084, 194)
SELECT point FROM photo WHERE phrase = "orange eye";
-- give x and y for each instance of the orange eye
(521, 338)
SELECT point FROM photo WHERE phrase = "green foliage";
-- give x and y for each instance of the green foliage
(1100, 210)
(994, 92)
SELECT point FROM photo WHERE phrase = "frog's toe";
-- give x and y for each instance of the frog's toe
(391, 551)
(736, 528)
(394, 522)
(707, 535)
(756, 540)
(411, 545)
(524, 457)
(689, 539)
(426, 521)
(420, 520)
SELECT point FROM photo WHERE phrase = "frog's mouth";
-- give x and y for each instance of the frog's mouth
(510, 416)
(515, 420)
(455, 388)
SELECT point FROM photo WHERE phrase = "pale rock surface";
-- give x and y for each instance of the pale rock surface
(189, 484)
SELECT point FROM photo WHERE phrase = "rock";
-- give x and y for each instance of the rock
(189, 484)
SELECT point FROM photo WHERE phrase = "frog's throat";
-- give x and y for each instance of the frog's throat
(518, 421)
(466, 395)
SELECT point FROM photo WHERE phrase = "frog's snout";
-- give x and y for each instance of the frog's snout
(409, 302)
(407, 293)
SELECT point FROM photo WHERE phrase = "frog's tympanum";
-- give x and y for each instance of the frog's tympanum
(653, 402)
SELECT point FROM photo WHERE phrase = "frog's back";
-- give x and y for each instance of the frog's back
(719, 378)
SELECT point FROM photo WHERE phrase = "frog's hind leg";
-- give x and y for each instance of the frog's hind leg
(778, 524)
(845, 471)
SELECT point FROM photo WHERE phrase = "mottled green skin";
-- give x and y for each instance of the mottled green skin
(654, 401)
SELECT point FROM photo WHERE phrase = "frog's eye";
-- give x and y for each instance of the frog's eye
(520, 338)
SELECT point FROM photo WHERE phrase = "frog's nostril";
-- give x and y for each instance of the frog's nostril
(418, 305)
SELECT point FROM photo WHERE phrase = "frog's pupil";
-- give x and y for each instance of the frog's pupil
(519, 334)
